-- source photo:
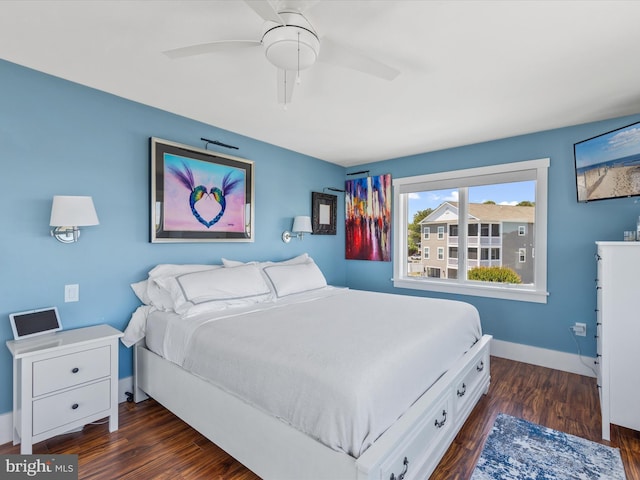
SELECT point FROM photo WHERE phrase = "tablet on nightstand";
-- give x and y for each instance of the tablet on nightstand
(35, 322)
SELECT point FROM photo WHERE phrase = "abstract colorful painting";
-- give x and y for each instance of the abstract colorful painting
(368, 218)
(199, 195)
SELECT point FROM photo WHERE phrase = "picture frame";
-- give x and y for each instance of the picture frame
(367, 202)
(323, 213)
(608, 165)
(199, 195)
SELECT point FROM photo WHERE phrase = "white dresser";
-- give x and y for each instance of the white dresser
(618, 335)
(62, 381)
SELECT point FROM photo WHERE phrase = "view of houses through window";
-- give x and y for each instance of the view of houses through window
(495, 243)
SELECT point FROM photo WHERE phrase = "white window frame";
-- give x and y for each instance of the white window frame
(462, 179)
(426, 253)
(440, 232)
(440, 253)
(426, 232)
(522, 230)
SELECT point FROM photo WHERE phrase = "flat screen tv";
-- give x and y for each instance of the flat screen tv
(608, 165)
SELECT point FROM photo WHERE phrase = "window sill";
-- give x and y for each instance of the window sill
(503, 292)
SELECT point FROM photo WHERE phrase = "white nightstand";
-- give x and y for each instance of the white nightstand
(62, 381)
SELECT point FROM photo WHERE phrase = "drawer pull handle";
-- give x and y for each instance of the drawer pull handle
(480, 367)
(464, 390)
(75, 370)
(444, 420)
(404, 471)
(74, 406)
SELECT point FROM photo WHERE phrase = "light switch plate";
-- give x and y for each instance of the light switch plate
(72, 293)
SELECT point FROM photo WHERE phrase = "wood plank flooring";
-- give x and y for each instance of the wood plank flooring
(154, 444)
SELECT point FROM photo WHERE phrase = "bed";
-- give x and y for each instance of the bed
(297, 379)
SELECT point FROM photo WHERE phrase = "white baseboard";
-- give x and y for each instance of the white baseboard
(567, 362)
(124, 385)
(6, 428)
(6, 419)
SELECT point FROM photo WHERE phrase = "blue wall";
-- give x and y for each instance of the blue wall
(60, 138)
(57, 138)
(572, 230)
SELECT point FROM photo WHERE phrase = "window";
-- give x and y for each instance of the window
(433, 272)
(426, 231)
(498, 212)
(522, 255)
(426, 253)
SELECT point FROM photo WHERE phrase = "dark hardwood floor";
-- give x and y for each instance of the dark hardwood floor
(153, 444)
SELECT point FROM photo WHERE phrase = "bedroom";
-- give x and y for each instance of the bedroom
(62, 137)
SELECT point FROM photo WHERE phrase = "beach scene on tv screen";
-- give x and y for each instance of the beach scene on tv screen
(608, 165)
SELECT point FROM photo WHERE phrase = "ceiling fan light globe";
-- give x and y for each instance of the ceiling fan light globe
(290, 47)
(293, 46)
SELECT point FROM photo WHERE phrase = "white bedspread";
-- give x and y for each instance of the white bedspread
(340, 365)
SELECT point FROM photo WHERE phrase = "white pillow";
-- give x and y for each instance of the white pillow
(140, 289)
(292, 261)
(159, 296)
(296, 278)
(172, 269)
(220, 287)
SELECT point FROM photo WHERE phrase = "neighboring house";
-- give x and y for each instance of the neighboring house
(498, 235)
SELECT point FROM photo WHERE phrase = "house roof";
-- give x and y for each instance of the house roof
(483, 212)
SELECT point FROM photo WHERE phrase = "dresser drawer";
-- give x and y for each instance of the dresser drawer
(66, 407)
(66, 371)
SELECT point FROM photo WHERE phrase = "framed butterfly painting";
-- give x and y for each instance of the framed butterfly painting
(199, 195)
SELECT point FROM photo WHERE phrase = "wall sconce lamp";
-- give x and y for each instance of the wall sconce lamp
(68, 213)
(301, 225)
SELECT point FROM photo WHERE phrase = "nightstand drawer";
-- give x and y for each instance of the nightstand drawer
(57, 410)
(69, 370)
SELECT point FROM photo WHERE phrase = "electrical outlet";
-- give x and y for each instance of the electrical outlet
(580, 329)
(72, 293)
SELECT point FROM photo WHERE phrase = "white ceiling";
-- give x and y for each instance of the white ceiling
(472, 71)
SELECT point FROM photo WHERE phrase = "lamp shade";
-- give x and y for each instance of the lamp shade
(302, 224)
(69, 211)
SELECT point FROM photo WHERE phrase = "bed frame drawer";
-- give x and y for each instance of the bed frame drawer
(474, 374)
(434, 426)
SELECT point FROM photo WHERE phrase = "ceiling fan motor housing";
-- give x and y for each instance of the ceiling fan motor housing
(293, 46)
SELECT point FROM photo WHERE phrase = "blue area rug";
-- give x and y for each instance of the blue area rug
(520, 450)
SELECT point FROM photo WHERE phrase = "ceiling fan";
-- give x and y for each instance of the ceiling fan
(291, 44)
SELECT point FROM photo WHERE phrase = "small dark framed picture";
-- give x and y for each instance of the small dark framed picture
(323, 213)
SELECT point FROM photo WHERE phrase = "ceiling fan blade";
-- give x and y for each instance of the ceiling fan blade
(265, 10)
(286, 83)
(331, 52)
(203, 48)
